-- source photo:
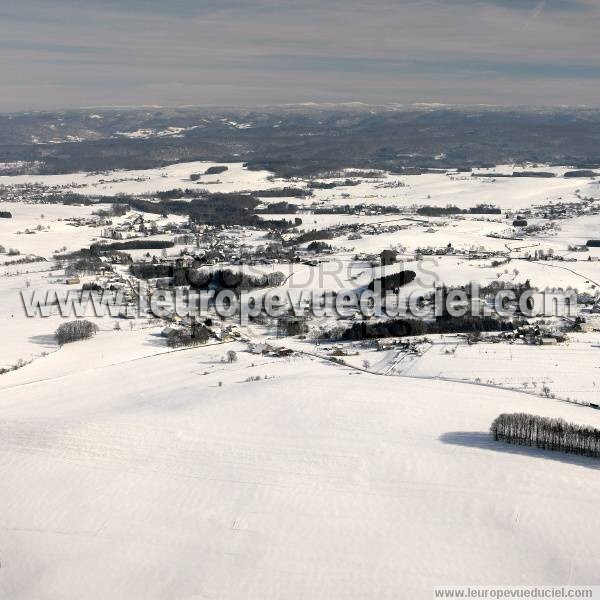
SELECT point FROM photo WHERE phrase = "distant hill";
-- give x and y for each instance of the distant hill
(299, 139)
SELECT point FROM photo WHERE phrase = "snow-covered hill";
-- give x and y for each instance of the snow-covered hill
(147, 479)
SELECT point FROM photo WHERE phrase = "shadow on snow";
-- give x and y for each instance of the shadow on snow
(484, 441)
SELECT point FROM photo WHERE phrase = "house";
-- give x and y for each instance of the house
(586, 327)
(72, 280)
(384, 344)
(283, 352)
(259, 348)
(548, 341)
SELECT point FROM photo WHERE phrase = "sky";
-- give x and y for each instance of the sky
(79, 53)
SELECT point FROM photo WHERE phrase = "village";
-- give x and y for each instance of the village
(147, 260)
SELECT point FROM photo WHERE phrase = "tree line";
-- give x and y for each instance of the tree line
(403, 327)
(450, 209)
(144, 244)
(546, 433)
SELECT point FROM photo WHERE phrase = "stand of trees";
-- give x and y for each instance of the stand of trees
(202, 279)
(318, 247)
(151, 270)
(322, 185)
(394, 281)
(74, 331)
(216, 170)
(144, 244)
(5, 214)
(199, 335)
(450, 209)
(543, 174)
(227, 279)
(546, 433)
(581, 173)
(310, 236)
(407, 327)
(282, 207)
(84, 266)
(285, 192)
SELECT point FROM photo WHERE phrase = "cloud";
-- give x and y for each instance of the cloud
(70, 52)
(529, 5)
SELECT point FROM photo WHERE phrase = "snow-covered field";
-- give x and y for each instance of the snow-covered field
(569, 371)
(145, 479)
(435, 189)
(46, 241)
(150, 180)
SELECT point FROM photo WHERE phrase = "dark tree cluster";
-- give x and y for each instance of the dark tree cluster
(321, 185)
(312, 235)
(348, 209)
(292, 327)
(118, 209)
(74, 331)
(143, 244)
(151, 270)
(438, 211)
(68, 198)
(394, 281)
(181, 339)
(5, 214)
(409, 327)
(179, 193)
(441, 211)
(546, 433)
(493, 288)
(282, 207)
(202, 279)
(220, 209)
(88, 265)
(25, 260)
(285, 192)
(542, 174)
(227, 279)
(278, 224)
(318, 247)
(147, 206)
(384, 329)
(581, 173)
(216, 170)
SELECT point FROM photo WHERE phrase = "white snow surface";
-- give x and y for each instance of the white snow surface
(145, 479)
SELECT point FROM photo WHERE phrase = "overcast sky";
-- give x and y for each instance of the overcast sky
(69, 53)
